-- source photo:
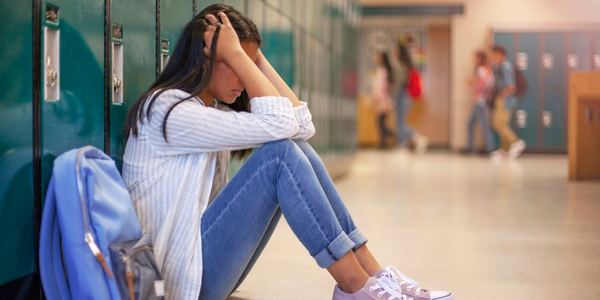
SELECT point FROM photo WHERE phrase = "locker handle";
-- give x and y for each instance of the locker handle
(52, 75)
(51, 63)
(588, 115)
(116, 84)
(164, 54)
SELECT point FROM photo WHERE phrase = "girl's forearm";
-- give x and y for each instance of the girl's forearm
(253, 79)
(282, 87)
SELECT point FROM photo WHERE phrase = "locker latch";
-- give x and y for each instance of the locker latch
(51, 58)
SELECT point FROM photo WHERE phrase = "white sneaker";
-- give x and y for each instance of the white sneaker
(409, 288)
(498, 154)
(516, 149)
(375, 288)
(421, 144)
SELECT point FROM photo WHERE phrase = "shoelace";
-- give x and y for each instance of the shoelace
(399, 279)
(386, 285)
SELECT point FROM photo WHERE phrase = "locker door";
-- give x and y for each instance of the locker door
(237, 4)
(174, 15)
(527, 60)
(552, 116)
(16, 148)
(506, 40)
(271, 37)
(72, 101)
(579, 55)
(133, 24)
(286, 51)
(596, 51)
(255, 13)
(202, 4)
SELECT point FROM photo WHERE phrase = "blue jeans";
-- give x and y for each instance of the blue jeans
(403, 130)
(280, 177)
(480, 113)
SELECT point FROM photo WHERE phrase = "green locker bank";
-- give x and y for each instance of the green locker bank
(72, 69)
(546, 59)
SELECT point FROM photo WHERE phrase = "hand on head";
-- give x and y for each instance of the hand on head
(228, 43)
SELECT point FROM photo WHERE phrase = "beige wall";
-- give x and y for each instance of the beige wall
(471, 31)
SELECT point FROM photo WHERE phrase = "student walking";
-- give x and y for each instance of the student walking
(482, 85)
(380, 93)
(208, 232)
(505, 104)
(404, 131)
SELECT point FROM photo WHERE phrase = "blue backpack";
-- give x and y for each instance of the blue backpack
(91, 242)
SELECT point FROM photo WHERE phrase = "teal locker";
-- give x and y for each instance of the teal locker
(579, 54)
(255, 13)
(133, 51)
(16, 143)
(271, 37)
(302, 66)
(554, 59)
(237, 4)
(286, 50)
(72, 102)
(506, 40)
(174, 15)
(202, 4)
(528, 60)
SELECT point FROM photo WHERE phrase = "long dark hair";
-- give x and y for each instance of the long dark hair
(404, 56)
(191, 71)
(385, 61)
(481, 59)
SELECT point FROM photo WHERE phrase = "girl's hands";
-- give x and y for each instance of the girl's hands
(228, 44)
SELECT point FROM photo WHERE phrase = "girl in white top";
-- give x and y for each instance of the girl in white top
(208, 231)
(381, 90)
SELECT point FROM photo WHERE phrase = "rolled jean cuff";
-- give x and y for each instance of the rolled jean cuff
(334, 251)
(358, 238)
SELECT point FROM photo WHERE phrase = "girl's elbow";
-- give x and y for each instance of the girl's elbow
(310, 132)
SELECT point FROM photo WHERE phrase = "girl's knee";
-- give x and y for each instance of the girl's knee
(280, 148)
(285, 143)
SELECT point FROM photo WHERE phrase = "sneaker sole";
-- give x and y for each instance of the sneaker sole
(448, 297)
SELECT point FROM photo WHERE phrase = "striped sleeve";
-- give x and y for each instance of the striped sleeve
(193, 127)
(306, 129)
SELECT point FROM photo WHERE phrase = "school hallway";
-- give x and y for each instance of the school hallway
(478, 228)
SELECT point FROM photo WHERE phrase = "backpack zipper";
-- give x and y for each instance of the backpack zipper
(89, 238)
(126, 259)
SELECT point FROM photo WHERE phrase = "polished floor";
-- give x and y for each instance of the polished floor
(478, 228)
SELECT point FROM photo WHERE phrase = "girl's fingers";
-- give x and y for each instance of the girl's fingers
(211, 19)
(224, 18)
(208, 35)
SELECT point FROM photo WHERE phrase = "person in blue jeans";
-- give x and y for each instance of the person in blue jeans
(482, 85)
(405, 133)
(208, 231)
